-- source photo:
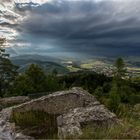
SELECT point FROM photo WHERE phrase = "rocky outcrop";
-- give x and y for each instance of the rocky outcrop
(7, 129)
(71, 123)
(76, 108)
(59, 102)
(13, 100)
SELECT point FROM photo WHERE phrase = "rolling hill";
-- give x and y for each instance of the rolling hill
(48, 64)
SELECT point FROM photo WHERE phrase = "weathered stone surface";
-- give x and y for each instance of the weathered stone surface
(7, 129)
(59, 102)
(71, 123)
(13, 100)
(76, 108)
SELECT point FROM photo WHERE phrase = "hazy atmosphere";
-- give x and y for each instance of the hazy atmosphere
(71, 27)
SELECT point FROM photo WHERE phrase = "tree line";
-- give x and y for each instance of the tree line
(33, 80)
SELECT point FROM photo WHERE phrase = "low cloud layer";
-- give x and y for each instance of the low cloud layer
(91, 27)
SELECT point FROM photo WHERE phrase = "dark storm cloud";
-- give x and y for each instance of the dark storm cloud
(87, 25)
(66, 18)
(95, 27)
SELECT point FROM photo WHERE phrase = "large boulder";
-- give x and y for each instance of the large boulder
(75, 109)
(59, 102)
(71, 123)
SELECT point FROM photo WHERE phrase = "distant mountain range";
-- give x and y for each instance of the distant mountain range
(36, 57)
(48, 64)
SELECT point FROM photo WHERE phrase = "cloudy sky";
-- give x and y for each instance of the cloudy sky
(71, 27)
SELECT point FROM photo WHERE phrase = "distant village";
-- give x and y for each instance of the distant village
(103, 68)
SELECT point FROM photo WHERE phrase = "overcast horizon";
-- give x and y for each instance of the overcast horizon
(71, 27)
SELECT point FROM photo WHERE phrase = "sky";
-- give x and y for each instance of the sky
(71, 27)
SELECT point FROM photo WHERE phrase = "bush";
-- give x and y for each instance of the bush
(22, 86)
(98, 92)
(134, 99)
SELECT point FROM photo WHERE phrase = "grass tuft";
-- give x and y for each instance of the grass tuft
(37, 124)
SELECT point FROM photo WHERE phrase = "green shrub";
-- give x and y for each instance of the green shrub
(134, 99)
(98, 92)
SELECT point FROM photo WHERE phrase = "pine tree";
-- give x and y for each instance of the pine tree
(114, 98)
(36, 77)
(120, 68)
(7, 69)
(119, 74)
